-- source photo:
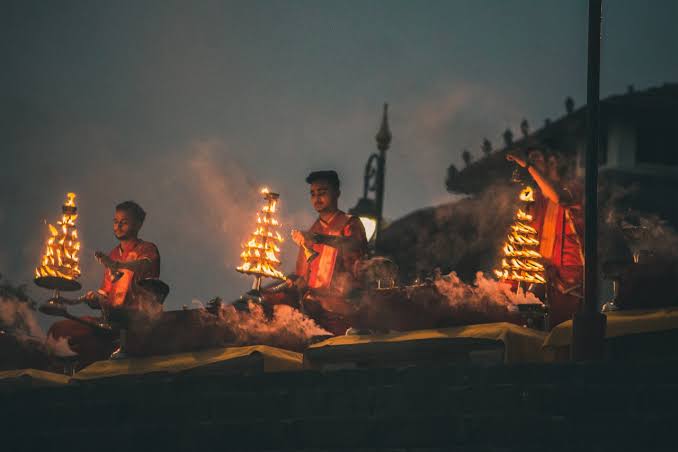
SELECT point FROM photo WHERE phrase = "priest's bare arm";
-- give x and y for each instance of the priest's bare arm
(549, 190)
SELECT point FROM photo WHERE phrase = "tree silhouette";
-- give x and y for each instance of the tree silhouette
(525, 127)
(486, 147)
(508, 137)
(466, 157)
(569, 105)
(452, 173)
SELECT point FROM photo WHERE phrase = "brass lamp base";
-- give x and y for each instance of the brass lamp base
(57, 283)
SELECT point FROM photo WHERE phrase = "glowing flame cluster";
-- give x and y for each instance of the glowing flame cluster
(260, 253)
(522, 261)
(60, 258)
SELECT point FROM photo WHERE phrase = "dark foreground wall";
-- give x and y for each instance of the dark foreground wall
(621, 406)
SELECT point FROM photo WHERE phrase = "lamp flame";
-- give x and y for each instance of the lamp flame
(260, 254)
(60, 258)
(522, 261)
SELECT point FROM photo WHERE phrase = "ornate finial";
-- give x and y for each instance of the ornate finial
(384, 135)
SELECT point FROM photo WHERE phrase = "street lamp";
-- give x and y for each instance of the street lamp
(370, 210)
(366, 211)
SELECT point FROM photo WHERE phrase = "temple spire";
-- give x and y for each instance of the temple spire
(384, 135)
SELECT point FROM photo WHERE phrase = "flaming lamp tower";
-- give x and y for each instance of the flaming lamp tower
(260, 255)
(59, 267)
(522, 260)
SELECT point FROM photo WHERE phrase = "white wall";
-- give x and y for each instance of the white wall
(621, 145)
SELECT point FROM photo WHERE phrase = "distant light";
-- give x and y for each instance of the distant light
(370, 225)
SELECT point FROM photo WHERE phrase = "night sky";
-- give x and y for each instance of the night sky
(190, 107)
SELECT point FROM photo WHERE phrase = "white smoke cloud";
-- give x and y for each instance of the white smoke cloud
(483, 294)
(59, 347)
(283, 327)
(19, 318)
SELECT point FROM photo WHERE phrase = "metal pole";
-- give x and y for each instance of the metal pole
(256, 284)
(591, 187)
(588, 330)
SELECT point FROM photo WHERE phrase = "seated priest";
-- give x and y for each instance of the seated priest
(327, 261)
(558, 219)
(131, 261)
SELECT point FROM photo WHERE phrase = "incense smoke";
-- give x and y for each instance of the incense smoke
(285, 327)
(443, 302)
(484, 292)
(21, 336)
(463, 236)
(17, 313)
(59, 347)
(629, 227)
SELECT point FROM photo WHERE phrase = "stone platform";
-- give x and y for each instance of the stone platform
(545, 407)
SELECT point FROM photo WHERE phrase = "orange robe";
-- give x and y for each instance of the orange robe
(93, 345)
(121, 288)
(333, 270)
(328, 279)
(559, 227)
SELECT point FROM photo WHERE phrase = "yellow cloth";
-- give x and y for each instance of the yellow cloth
(520, 344)
(621, 323)
(38, 377)
(275, 360)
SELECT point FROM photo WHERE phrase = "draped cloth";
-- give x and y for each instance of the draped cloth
(559, 226)
(330, 277)
(333, 269)
(119, 291)
(121, 287)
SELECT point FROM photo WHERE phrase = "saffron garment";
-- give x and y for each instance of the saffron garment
(559, 226)
(120, 291)
(120, 288)
(326, 280)
(330, 277)
(334, 268)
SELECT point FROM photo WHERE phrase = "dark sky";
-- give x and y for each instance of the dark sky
(190, 107)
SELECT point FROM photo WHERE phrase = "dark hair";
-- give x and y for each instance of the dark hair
(564, 164)
(329, 176)
(134, 209)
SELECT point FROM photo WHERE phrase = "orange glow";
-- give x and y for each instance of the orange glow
(527, 195)
(260, 253)
(522, 260)
(60, 258)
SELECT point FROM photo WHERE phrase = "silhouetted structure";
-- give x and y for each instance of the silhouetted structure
(508, 137)
(466, 157)
(524, 128)
(637, 138)
(569, 105)
(486, 147)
